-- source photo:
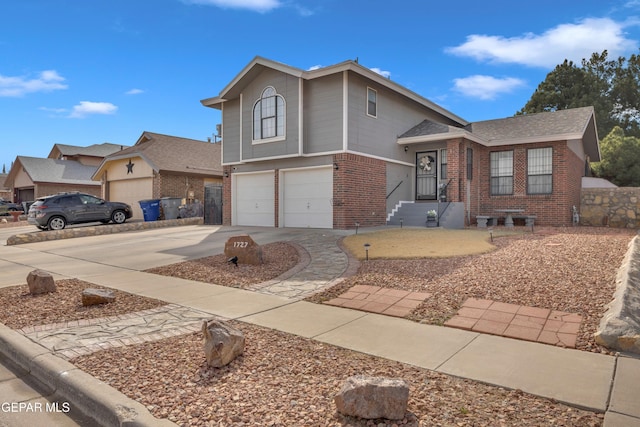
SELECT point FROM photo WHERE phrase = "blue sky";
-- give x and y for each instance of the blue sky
(86, 72)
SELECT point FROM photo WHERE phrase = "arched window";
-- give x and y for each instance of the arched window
(268, 115)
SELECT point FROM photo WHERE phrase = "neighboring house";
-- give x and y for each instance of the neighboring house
(340, 145)
(91, 155)
(68, 168)
(5, 190)
(160, 166)
(33, 177)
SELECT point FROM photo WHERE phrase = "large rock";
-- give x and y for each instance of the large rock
(373, 397)
(245, 248)
(222, 343)
(97, 296)
(40, 282)
(620, 326)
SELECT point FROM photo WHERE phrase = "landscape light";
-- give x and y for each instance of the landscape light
(366, 251)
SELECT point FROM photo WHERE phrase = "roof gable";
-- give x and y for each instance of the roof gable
(258, 64)
(173, 154)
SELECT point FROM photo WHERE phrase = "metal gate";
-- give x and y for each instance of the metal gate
(213, 204)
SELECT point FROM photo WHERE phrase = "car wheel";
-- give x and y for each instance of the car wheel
(56, 223)
(118, 217)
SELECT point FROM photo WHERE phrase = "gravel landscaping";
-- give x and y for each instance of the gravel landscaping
(571, 270)
(20, 308)
(284, 380)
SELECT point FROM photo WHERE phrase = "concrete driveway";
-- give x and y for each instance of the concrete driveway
(137, 250)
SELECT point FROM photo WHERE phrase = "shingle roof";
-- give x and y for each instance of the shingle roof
(427, 127)
(576, 123)
(96, 150)
(57, 171)
(175, 154)
(561, 122)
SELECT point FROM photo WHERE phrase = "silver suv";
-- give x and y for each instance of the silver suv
(56, 211)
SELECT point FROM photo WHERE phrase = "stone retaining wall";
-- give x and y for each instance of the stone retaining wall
(68, 233)
(613, 207)
(620, 326)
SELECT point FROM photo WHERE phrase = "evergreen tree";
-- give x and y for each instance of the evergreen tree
(620, 159)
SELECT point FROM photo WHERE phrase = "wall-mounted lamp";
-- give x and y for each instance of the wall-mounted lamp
(406, 148)
(335, 166)
(226, 174)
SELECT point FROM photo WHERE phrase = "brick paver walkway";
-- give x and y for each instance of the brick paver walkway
(516, 321)
(376, 299)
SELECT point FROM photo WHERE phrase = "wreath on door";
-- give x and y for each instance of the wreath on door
(425, 163)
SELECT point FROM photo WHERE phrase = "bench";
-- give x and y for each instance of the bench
(485, 220)
(529, 220)
(482, 220)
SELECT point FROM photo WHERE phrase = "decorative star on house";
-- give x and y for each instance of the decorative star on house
(129, 167)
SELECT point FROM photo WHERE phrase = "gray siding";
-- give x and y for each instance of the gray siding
(323, 107)
(403, 177)
(285, 85)
(395, 115)
(231, 131)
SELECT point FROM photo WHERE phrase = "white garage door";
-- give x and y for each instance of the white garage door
(254, 199)
(307, 198)
(131, 191)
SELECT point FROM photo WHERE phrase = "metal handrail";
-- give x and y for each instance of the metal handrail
(395, 188)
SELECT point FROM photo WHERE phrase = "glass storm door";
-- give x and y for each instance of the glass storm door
(426, 175)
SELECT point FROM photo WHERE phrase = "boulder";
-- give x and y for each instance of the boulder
(40, 282)
(97, 296)
(245, 248)
(620, 326)
(373, 397)
(222, 343)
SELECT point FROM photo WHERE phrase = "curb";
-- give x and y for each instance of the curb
(69, 233)
(94, 398)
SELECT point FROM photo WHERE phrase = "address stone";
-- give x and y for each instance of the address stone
(245, 248)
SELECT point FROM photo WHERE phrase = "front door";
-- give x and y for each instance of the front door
(427, 175)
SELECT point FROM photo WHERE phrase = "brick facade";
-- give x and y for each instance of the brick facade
(359, 191)
(179, 186)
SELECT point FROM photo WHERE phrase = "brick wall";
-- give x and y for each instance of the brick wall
(179, 186)
(359, 191)
(226, 195)
(551, 209)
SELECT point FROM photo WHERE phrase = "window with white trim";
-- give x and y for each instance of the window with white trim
(501, 173)
(372, 102)
(539, 170)
(268, 115)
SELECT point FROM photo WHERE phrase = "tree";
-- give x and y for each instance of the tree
(570, 86)
(620, 162)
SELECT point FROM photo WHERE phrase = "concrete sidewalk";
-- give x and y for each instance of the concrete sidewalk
(582, 379)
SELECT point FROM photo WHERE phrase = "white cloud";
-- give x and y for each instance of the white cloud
(486, 87)
(19, 86)
(53, 110)
(315, 67)
(261, 6)
(385, 74)
(134, 91)
(565, 41)
(86, 108)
